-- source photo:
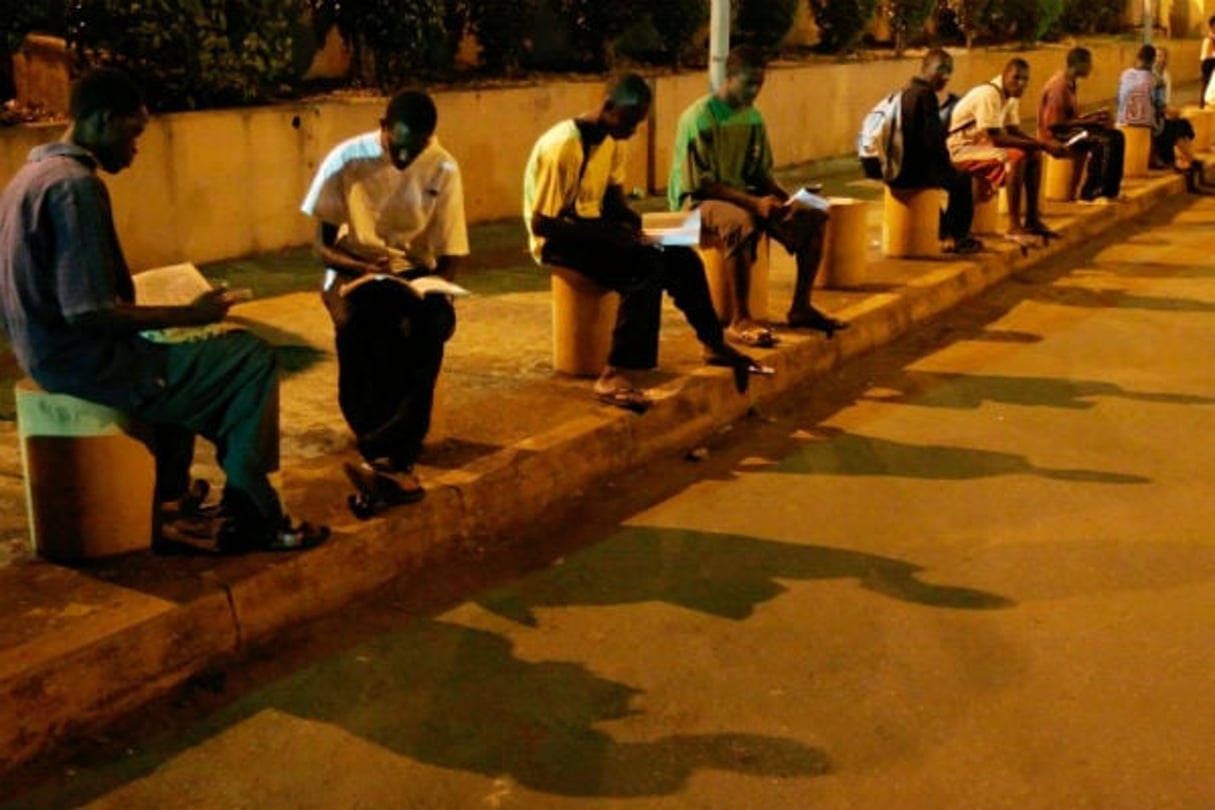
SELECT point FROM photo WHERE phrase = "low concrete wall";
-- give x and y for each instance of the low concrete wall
(224, 183)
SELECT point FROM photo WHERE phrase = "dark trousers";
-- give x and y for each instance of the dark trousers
(1103, 176)
(640, 274)
(1164, 142)
(390, 350)
(960, 210)
(1208, 67)
(224, 389)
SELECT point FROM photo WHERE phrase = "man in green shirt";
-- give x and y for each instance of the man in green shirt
(723, 166)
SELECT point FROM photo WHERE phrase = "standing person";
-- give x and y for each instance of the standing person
(723, 165)
(1060, 119)
(926, 161)
(986, 127)
(1206, 60)
(577, 217)
(69, 309)
(389, 203)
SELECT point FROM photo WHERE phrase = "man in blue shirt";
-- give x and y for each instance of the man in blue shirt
(67, 302)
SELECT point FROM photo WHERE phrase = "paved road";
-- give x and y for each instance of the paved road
(976, 570)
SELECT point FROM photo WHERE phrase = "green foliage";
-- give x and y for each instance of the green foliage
(595, 25)
(764, 23)
(1091, 17)
(502, 28)
(677, 23)
(392, 40)
(1023, 20)
(907, 18)
(188, 54)
(20, 17)
(840, 22)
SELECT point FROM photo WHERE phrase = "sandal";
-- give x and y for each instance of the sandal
(812, 318)
(1039, 229)
(236, 539)
(627, 397)
(755, 336)
(742, 365)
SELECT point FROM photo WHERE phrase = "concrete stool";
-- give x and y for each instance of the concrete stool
(438, 414)
(1059, 177)
(90, 476)
(721, 283)
(584, 315)
(1138, 150)
(911, 221)
(1200, 119)
(845, 243)
(987, 212)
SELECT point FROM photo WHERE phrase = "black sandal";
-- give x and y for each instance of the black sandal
(818, 320)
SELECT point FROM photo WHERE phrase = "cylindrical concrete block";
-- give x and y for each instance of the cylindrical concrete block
(722, 285)
(1059, 176)
(987, 212)
(1138, 150)
(911, 221)
(845, 244)
(90, 476)
(438, 414)
(1200, 119)
(584, 315)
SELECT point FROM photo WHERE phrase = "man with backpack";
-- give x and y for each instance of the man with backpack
(986, 140)
(925, 159)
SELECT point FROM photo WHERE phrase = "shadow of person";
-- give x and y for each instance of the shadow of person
(969, 391)
(846, 453)
(459, 698)
(725, 575)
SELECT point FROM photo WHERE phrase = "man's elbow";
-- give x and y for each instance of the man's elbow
(96, 321)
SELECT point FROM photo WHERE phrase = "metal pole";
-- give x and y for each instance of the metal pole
(719, 43)
(1148, 20)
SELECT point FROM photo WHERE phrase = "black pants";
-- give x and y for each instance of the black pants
(1164, 142)
(390, 350)
(640, 274)
(1208, 67)
(1105, 149)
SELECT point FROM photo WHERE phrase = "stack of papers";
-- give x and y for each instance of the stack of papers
(674, 228)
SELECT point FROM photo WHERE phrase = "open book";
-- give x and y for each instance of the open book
(675, 228)
(807, 197)
(178, 285)
(421, 286)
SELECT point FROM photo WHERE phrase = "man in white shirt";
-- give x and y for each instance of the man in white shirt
(577, 217)
(389, 203)
(986, 139)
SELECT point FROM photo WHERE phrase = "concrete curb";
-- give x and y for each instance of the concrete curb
(53, 687)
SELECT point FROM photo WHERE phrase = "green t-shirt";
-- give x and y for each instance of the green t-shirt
(715, 144)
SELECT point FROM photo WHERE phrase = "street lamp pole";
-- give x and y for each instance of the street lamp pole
(719, 42)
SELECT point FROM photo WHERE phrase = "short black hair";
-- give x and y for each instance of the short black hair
(105, 90)
(413, 108)
(935, 56)
(1211, 22)
(1016, 63)
(1079, 56)
(1147, 54)
(628, 90)
(745, 57)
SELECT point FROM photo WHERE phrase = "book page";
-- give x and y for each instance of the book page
(174, 285)
(674, 228)
(805, 197)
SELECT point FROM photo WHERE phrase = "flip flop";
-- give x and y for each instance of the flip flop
(742, 365)
(1038, 229)
(627, 397)
(757, 337)
(288, 536)
(815, 319)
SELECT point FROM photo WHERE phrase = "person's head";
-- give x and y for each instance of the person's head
(1147, 57)
(1162, 59)
(745, 68)
(1080, 62)
(1015, 77)
(626, 103)
(108, 116)
(407, 126)
(1211, 24)
(936, 68)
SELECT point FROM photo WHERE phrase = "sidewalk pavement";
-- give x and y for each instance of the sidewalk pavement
(79, 647)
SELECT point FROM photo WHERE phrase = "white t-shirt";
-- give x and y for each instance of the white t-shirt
(983, 107)
(552, 185)
(415, 215)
